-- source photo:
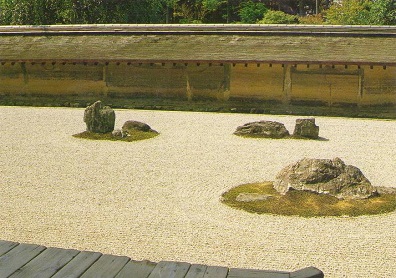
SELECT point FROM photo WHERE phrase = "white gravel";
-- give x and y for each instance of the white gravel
(158, 199)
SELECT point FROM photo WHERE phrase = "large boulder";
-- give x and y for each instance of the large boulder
(99, 118)
(327, 176)
(130, 126)
(306, 128)
(266, 129)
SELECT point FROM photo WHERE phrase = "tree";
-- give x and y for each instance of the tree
(195, 11)
(251, 12)
(362, 12)
(33, 12)
(348, 12)
(383, 12)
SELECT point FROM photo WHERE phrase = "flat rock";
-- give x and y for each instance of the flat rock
(266, 129)
(130, 126)
(325, 176)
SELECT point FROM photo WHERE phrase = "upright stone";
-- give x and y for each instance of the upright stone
(306, 128)
(99, 118)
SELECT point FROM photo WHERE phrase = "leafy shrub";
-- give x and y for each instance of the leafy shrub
(311, 19)
(278, 17)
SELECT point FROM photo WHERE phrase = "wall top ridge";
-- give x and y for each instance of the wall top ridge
(342, 30)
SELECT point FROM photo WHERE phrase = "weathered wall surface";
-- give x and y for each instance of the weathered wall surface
(325, 84)
(320, 64)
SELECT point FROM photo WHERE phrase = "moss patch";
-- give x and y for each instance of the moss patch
(306, 204)
(134, 136)
(286, 137)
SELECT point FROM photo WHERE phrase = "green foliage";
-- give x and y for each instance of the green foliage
(45, 12)
(251, 12)
(195, 11)
(362, 12)
(40, 12)
(306, 204)
(383, 12)
(311, 19)
(278, 17)
(135, 136)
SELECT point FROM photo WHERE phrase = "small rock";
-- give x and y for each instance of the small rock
(306, 128)
(266, 129)
(252, 197)
(117, 133)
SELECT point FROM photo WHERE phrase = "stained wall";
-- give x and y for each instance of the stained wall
(326, 84)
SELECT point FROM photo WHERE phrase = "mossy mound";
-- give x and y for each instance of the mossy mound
(132, 136)
(304, 203)
(286, 137)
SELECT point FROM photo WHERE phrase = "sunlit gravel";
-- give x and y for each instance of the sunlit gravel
(158, 199)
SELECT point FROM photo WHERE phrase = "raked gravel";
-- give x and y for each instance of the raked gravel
(158, 199)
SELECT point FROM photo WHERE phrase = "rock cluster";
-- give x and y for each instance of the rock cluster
(99, 118)
(327, 176)
(266, 129)
(304, 128)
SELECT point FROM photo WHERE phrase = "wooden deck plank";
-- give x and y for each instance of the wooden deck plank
(216, 272)
(196, 271)
(46, 263)
(35, 261)
(18, 257)
(136, 269)
(308, 272)
(253, 273)
(106, 266)
(78, 265)
(6, 246)
(170, 270)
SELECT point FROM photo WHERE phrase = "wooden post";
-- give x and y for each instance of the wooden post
(224, 91)
(25, 73)
(105, 88)
(361, 87)
(189, 92)
(287, 84)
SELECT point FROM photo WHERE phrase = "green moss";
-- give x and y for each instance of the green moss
(135, 136)
(286, 137)
(306, 204)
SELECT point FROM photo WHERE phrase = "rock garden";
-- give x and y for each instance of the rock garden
(100, 121)
(314, 187)
(309, 187)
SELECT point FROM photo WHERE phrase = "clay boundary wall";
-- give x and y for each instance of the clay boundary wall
(289, 64)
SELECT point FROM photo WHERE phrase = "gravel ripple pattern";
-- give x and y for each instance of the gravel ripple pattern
(158, 199)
